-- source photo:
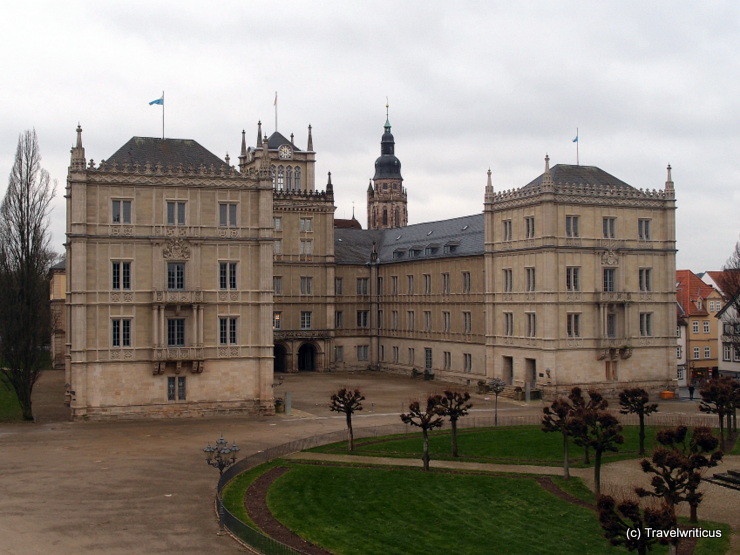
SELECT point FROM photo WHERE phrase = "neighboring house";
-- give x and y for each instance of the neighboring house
(190, 281)
(700, 303)
(57, 293)
(729, 337)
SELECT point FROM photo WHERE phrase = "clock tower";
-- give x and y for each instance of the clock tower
(386, 196)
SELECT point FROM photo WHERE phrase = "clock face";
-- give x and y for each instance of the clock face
(285, 152)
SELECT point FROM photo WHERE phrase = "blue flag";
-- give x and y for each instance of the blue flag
(574, 140)
(158, 101)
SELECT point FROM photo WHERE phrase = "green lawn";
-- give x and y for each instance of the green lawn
(9, 407)
(379, 510)
(512, 444)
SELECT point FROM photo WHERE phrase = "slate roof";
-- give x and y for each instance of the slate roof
(462, 236)
(276, 139)
(582, 175)
(61, 265)
(167, 152)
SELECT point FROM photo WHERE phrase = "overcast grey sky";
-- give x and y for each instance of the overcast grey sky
(472, 85)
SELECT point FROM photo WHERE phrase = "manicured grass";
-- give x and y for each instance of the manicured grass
(511, 445)
(378, 510)
(233, 493)
(10, 410)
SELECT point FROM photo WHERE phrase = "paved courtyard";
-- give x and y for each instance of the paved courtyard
(143, 486)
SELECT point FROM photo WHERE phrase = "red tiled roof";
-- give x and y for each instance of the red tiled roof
(689, 288)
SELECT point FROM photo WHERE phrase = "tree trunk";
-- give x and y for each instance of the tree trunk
(692, 514)
(425, 455)
(642, 433)
(453, 425)
(350, 434)
(597, 472)
(721, 432)
(586, 458)
(566, 462)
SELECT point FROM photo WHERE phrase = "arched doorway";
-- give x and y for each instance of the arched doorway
(307, 358)
(279, 354)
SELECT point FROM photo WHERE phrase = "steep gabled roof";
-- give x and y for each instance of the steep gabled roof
(277, 139)
(167, 152)
(689, 288)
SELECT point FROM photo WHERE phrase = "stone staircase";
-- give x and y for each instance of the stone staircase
(729, 479)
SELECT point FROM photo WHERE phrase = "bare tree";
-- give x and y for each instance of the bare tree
(454, 405)
(588, 409)
(557, 419)
(618, 520)
(637, 401)
(426, 419)
(25, 259)
(718, 397)
(678, 465)
(347, 401)
(599, 430)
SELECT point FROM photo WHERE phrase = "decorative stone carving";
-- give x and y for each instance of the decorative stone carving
(176, 249)
(609, 258)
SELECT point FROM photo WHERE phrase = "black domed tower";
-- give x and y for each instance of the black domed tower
(386, 197)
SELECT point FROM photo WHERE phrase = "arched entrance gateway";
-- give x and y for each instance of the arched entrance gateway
(307, 358)
(279, 353)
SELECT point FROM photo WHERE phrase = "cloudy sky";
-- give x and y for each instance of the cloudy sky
(471, 85)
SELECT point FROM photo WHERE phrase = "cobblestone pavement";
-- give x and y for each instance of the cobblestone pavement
(142, 486)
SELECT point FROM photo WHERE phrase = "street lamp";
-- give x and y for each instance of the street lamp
(218, 456)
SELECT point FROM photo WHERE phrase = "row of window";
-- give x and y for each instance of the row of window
(572, 228)
(305, 247)
(286, 177)
(121, 275)
(176, 210)
(730, 352)
(122, 331)
(363, 285)
(363, 320)
(573, 324)
(705, 326)
(573, 279)
(304, 224)
(363, 354)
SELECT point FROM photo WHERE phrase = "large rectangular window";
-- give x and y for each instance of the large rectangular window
(508, 323)
(508, 280)
(175, 276)
(306, 320)
(646, 324)
(394, 285)
(410, 320)
(571, 226)
(176, 332)
(339, 353)
(176, 388)
(363, 286)
(446, 322)
(609, 225)
(427, 320)
(707, 352)
(611, 325)
(427, 284)
(227, 275)
(306, 285)
(227, 214)
(339, 319)
(121, 211)
(507, 230)
(531, 282)
(306, 247)
(363, 318)
(394, 320)
(277, 285)
(643, 230)
(467, 322)
(572, 278)
(573, 325)
(427, 359)
(529, 227)
(121, 275)
(466, 282)
(175, 213)
(445, 284)
(412, 356)
(227, 330)
(277, 320)
(409, 285)
(467, 362)
(338, 287)
(121, 332)
(306, 224)
(609, 280)
(363, 352)
(531, 324)
(645, 279)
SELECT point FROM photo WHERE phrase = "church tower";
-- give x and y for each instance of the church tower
(386, 197)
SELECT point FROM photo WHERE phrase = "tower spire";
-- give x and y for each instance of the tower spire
(669, 182)
(259, 134)
(309, 146)
(547, 182)
(78, 152)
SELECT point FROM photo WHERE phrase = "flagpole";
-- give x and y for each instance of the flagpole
(163, 115)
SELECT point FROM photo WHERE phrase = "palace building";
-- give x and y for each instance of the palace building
(190, 282)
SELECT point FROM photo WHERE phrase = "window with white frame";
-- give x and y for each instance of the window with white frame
(645, 276)
(727, 352)
(466, 282)
(120, 275)
(508, 280)
(227, 330)
(363, 287)
(508, 323)
(573, 278)
(121, 332)
(678, 351)
(306, 319)
(706, 326)
(609, 225)
(646, 324)
(697, 353)
(571, 226)
(121, 211)
(737, 353)
(306, 224)
(306, 285)
(529, 227)
(643, 229)
(227, 214)
(305, 247)
(175, 276)
(695, 326)
(507, 230)
(227, 275)
(467, 322)
(573, 324)
(467, 362)
(707, 352)
(530, 276)
(175, 212)
(609, 280)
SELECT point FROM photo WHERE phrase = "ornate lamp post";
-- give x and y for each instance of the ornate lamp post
(221, 456)
(497, 386)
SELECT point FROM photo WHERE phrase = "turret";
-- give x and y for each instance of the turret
(78, 153)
